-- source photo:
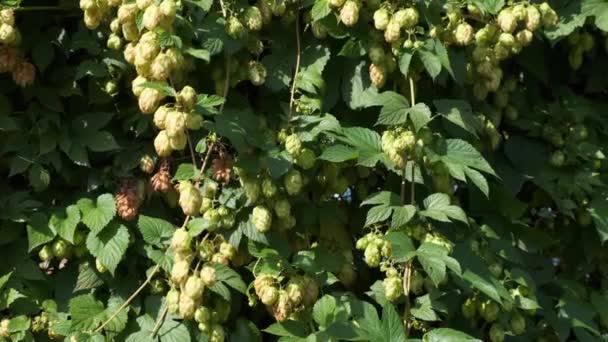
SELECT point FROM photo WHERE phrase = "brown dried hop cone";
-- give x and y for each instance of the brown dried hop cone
(127, 200)
(8, 58)
(24, 74)
(161, 181)
(222, 168)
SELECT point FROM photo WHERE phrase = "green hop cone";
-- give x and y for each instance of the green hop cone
(469, 308)
(393, 288)
(464, 34)
(189, 198)
(46, 253)
(208, 276)
(489, 310)
(293, 182)
(378, 75)
(372, 256)
(194, 287)
(253, 18)
(293, 145)
(381, 19)
(349, 14)
(217, 334)
(558, 159)
(506, 20)
(61, 249)
(497, 333)
(517, 323)
(187, 98)
(180, 240)
(234, 28)
(172, 300)
(306, 158)
(261, 218)
(257, 73)
(282, 208)
(202, 314)
(269, 189)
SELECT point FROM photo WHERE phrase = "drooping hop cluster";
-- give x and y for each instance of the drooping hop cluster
(129, 198)
(273, 208)
(216, 215)
(304, 157)
(393, 24)
(57, 252)
(514, 29)
(580, 43)
(11, 59)
(299, 293)
(174, 122)
(375, 248)
(393, 285)
(398, 145)
(190, 199)
(349, 11)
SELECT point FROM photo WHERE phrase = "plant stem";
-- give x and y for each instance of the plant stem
(38, 8)
(129, 300)
(295, 74)
(159, 322)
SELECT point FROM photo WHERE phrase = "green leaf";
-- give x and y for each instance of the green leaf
(86, 312)
(402, 215)
(377, 214)
(339, 153)
(287, 328)
(154, 230)
(245, 330)
(391, 325)
(8, 297)
(186, 171)
(598, 9)
(161, 87)
(438, 207)
(4, 279)
(202, 54)
(39, 231)
(109, 245)
(365, 141)
(65, 223)
(97, 215)
(91, 68)
(320, 10)
(431, 62)
(383, 197)
(119, 322)
(434, 259)
(87, 277)
(598, 208)
(402, 246)
(420, 114)
(205, 5)
(229, 276)
(405, 61)
(459, 113)
(394, 110)
(101, 141)
(448, 335)
(323, 311)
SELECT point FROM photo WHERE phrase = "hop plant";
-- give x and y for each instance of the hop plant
(8, 58)
(127, 200)
(179, 272)
(257, 73)
(234, 28)
(393, 288)
(378, 75)
(349, 14)
(293, 182)
(261, 218)
(149, 100)
(24, 74)
(194, 287)
(381, 19)
(393, 31)
(189, 198)
(181, 240)
(208, 276)
(187, 98)
(464, 34)
(506, 20)
(293, 145)
(253, 18)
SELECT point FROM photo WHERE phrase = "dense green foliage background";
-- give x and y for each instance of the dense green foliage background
(332, 177)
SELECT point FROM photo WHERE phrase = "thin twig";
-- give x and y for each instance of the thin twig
(413, 184)
(37, 8)
(129, 300)
(223, 8)
(192, 155)
(159, 322)
(407, 278)
(226, 86)
(295, 74)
